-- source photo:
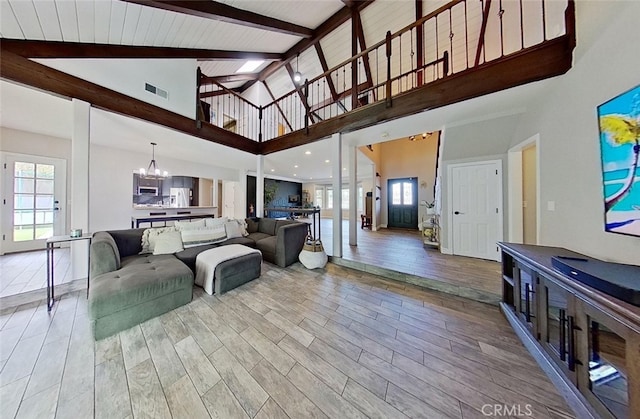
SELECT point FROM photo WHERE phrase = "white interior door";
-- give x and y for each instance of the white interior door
(229, 198)
(33, 201)
(476, 209)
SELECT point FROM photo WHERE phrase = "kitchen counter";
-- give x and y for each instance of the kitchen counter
(166, 207)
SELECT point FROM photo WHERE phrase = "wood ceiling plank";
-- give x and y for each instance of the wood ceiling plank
(54, 49)
(154, 27)
(8, 22)
(320, 32)
(25, 71)
(76, 19)
(48, 17)
(229, 78)
(167, 22)
(26, 14)
(116, 25)
(220, 11)
(101, 20)
(130, 23)
(177, 28)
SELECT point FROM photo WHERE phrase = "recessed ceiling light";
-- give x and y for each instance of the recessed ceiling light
(344, 168)
(326, 161)
(295, 165)
(273, 170)
(310, 178)
(330, 175)
(295, 174)
(250, 66)
(307, 152)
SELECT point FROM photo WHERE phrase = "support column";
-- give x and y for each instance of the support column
(240, 197)
(336, 159)
(353, 196)
(79, 207)
(260, 186)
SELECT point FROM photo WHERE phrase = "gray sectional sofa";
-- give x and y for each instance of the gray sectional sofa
(127, 288)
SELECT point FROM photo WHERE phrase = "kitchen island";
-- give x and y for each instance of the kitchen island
(157, 213)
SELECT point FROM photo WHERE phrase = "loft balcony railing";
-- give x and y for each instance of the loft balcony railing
(457, 37)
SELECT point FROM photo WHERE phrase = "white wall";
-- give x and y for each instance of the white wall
(111, 169)
(128, 76)
(569, 152)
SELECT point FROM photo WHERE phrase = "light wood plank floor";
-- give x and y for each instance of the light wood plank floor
(294, 343)
(402, 251)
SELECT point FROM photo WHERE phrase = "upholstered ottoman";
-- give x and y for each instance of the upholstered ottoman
(226, 267)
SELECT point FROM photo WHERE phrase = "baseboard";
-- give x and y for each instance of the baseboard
(445, 250)
(383, 226)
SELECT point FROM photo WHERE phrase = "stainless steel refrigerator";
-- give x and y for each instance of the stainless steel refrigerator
(180, 197)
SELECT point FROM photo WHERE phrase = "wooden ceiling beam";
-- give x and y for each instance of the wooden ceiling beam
(228, 78)
(363, 47)
(25, 71)
(204, 95)
(325, 68)
(266, 86)
(57, 49)
(320, 32)
(219, 11)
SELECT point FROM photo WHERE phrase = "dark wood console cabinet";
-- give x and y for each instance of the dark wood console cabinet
(586, 341)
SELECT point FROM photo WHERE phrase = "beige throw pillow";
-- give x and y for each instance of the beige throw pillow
(168, 243)
(233, 229)
(149, 237)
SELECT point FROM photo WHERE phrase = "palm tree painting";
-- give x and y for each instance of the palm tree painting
(619, 120)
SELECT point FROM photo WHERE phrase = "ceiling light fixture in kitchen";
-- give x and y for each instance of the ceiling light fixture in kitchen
(153, 171)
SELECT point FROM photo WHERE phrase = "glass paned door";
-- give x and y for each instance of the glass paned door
(403, 203)
(34, 188)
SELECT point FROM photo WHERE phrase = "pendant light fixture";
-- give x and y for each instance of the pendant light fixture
(153, 171)
(297, 76)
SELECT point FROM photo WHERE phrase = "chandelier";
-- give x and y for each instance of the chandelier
(153, 171)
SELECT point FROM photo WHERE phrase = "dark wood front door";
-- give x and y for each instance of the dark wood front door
(402, 195)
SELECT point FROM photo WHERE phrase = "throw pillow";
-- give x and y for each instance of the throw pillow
(188, 225)
(233, 229)
(205, 235)
(215, 222)
(168, 243)
(149, 238)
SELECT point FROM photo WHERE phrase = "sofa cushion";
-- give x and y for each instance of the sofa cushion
(141, 279)
(256, 237)
(267, 226)
(240, 240)
(104, 254)
(268, 248)
(128, 241)
(188, 255)
(280, 223)
(252, 225)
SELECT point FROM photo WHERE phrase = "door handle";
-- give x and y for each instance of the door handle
(458, 212)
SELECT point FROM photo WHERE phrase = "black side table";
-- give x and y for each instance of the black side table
(50, 260)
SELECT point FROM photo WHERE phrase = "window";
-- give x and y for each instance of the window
(345, 198)
(360, 198)
(396, 198)
(407, 197)
(319, 196)
(329, 198)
